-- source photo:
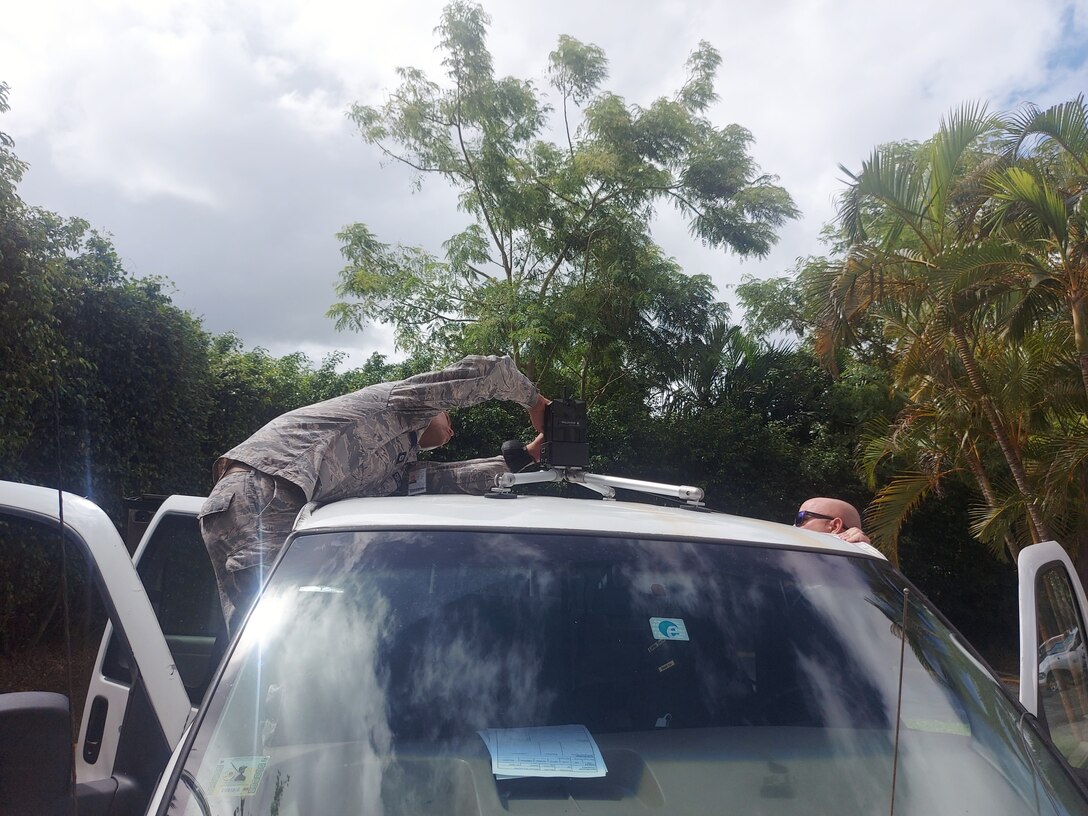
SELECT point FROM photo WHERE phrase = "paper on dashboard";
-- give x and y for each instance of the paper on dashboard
(548, 751)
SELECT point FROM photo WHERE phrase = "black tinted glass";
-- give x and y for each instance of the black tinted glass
(707, 674)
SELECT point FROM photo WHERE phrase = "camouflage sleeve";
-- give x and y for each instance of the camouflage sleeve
(471, 381)
(475, 476)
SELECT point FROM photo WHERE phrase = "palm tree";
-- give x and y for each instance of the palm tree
(943, 435)
(1041, 207)
(913, 221)
(722, 363)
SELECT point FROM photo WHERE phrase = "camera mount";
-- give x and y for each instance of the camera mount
(564, 457)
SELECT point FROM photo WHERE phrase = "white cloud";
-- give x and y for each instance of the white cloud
(210, 138)
(317, 111)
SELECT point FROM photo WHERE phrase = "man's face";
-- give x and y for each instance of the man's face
(437, 433)
(818, 519)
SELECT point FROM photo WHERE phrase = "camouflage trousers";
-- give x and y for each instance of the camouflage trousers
(244, 523)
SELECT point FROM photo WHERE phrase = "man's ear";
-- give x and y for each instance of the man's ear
(837, 525)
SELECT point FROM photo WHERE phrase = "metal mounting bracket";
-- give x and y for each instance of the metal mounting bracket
(600, 483)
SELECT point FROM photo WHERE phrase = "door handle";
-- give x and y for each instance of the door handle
(96, 725)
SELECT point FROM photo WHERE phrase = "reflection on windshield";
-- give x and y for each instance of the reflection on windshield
(719, 678)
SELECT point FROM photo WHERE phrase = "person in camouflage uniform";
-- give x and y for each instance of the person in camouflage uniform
(360, 444)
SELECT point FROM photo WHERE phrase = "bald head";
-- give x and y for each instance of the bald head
(830, 515)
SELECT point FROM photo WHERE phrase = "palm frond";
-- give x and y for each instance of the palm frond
(895, 182)
(890, 508)
(850, 209)
(988, 264)
(877, 444)
(1036, 204)
(993, 526)
(1068, 456)
(959, 131)
(1018, 129)
(1065, 123)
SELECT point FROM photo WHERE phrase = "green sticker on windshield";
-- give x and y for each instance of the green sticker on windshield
(938, 726)
(239, 776)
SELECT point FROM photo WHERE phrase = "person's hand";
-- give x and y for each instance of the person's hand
(536, 413)
(533, 448)
(854, 536)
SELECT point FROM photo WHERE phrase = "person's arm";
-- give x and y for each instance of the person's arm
(471, 381)
(473, 476)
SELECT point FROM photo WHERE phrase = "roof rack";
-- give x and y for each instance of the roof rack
(605, 485)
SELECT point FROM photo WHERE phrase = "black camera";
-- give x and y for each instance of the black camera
(566, 434)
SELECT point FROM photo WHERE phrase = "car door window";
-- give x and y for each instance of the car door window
(1063, 665)
(33, 652)
(180, 583)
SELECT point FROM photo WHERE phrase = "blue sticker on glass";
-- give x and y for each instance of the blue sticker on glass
(669, 629)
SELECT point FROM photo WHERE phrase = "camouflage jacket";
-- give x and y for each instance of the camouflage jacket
(365, 443)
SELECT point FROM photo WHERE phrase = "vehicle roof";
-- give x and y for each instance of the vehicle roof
(567, 514)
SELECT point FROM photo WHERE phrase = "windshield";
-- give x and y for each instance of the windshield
(483, 672)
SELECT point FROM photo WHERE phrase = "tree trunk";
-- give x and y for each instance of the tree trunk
(1080, 557)
(991, 497)
(1079, 313)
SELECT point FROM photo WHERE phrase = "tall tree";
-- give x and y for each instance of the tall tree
(914, 223)
(558, 267)
(967, 253)
(1041, 205)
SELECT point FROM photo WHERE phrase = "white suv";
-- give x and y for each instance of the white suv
(483, 655)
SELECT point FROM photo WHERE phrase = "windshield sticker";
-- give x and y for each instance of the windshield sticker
(239, 776)
(938, 727)
(669, 629)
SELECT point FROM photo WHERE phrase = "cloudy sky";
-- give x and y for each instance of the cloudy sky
(210, 138)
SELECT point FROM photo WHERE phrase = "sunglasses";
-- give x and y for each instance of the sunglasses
(805, 515)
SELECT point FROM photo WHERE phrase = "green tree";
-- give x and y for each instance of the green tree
(1041, 206)
(963, 253)
(1040, 210)
(776, 429)
(913, 222)
(30, 334)
(123, 370)
(557, 267)
(108, 355)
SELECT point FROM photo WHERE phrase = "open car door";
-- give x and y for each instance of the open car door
(180, 584)
(1053, 654)
(143, 715)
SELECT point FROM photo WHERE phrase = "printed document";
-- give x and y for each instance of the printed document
(551, 750)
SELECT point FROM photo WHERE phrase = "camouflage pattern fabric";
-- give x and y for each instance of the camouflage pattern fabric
(362, 444)
(359, 444)
(244, 523)
(473, 476)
